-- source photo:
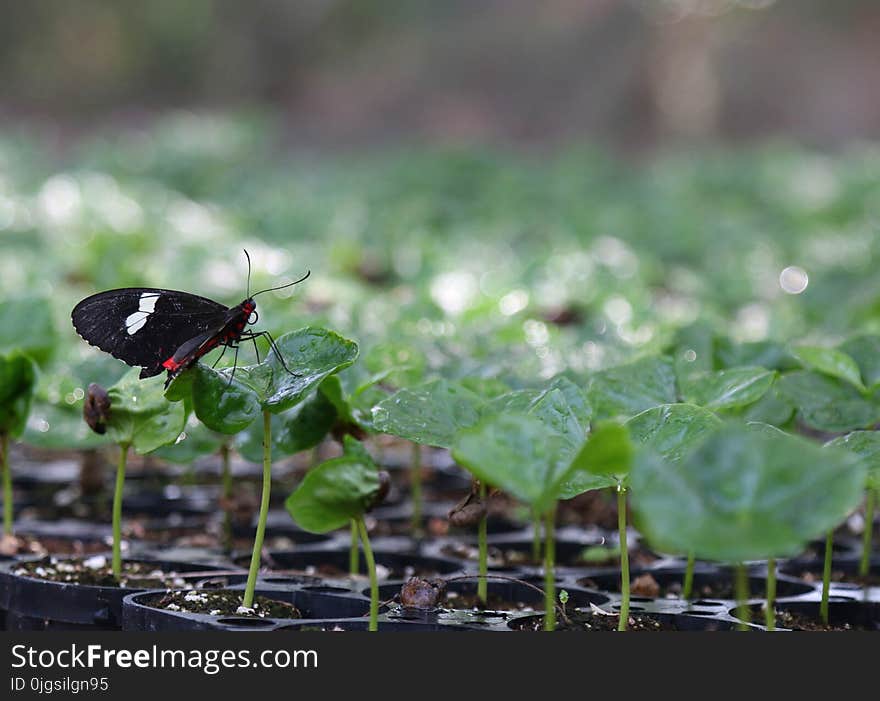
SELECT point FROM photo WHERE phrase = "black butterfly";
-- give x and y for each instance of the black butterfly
(160, 329)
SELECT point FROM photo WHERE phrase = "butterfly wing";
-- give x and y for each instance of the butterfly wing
(144, 326)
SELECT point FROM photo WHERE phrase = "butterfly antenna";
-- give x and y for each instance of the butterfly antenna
(281, 287)
(247, 255)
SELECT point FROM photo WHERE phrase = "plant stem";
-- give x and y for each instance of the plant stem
(770, 605)
(371, 569)
(483, 567)
(536, 537)
(624, 558)
(353, 554)
(687, 587)
(550, 569)
(865, 562)
(416, 488)
(826, 577)
(7, 484)
(741, 584)
(226, 477)
(117, 511)
(264, 512)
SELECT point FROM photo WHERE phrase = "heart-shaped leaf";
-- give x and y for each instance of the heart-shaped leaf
(140, 415)
(827, 404)
(430, 414)
(627, 390)
(727, 389)
(335, 491)
(18, 380)
(517, 453)
(742, 494)
(222, 405)
(672, 429)
(830, 361)
(311, 354)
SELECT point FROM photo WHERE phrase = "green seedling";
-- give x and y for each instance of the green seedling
(338, 492)
(743, 494)
(18, 378)
(229, 403)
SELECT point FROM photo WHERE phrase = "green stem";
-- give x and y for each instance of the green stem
(371, 569)
(353, 554)
(264, 512)
(865, 562)
(624, 559)
(117, 511)
(550, 569)
(826, 577)
(687, 587)
(741, 585)
(770, 605)
(483, 566)
(226, 477)
(536, 537)
(416, 488)
(7, 484)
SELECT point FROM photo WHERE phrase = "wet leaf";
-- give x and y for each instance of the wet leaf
(608, 452)
(830, 361)
(742, 494)
(728, 389)
(865, 444)
(223, 406)
(430, 414)
(672, 429)
(335, 491)
(140, 415)
(311, 353)
(865, 351)
(627, 390)
(827, 404)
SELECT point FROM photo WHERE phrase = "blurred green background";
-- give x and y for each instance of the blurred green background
(506, 190)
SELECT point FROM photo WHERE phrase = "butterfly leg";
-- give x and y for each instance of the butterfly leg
(234, 365)
(274, 348)
(220, 357)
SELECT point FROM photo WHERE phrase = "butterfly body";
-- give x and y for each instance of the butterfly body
(160, 330)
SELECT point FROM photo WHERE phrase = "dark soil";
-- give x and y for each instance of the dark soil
(45, 545)
(813, 577)
(494, 602)
(224, 603)
(589, 556)
(799, 621)
(96, 571)
(645, 585)
(588, 621)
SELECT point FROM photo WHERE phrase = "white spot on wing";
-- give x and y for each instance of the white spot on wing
(135, 321)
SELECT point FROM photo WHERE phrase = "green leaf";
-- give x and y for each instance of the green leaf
(18, 380)
(830, 361)
(31, 319)
(223, 406)
(743, 494)
(772, 408)
(627, 390)
(196, 441)
(58, 427)
(865, 444)
(865, 351)
(608, 452)
(294, 430)
(311, 353)
(825, 403)
(764, 354)
(334, 492)
(517, 453)
(140, 415)
(430, 414)
(728, 389)
(672, 429)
